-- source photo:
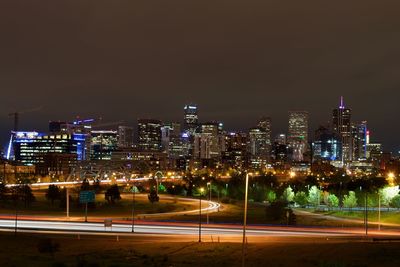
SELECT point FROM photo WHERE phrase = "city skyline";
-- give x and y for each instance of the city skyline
(130, 60)
(311, 125)
(199, 133)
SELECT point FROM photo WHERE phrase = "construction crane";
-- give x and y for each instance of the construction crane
(16, 115)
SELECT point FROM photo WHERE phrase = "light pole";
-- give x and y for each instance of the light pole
(379, 211)
(133, 207)
(67, 198)
(245, 218)
(16, 215)
(209, 199)
(201, 193)
(366, 213)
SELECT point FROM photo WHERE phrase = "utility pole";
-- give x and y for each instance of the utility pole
(4, 173)
(16, 202)
(366, 213)
(201, 191)
(245, 219)
(67, 198)
(209, 199)
(133, 208)
(86, 204)
(379, 211)
(16, 214)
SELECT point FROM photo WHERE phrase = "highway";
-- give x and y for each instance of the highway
(179, 229)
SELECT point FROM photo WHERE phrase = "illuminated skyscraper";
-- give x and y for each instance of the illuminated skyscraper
(265, 124)
(191, 119)
(209, 143)
(171, 140)
(31, 148)
(342, 126)
(298, 134)
(103, 143)
(326, 145)
(258, 149)
(125, 136)
(235, 153)
(359, 136)
(149, 132)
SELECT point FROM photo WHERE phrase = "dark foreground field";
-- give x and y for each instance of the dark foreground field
(35, 250)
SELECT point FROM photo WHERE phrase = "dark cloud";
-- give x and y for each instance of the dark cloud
(237, 59)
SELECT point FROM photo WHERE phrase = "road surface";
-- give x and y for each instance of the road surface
(159, 228)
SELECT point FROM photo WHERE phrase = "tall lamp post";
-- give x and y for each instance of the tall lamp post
(366, 213)
(134, 190)
(201, 193)
(209, 199)
(379, 211)
(245, 218)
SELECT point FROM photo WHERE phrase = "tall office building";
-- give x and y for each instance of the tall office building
(103, 144)
(280, 139)
(31, 148)
(326, 145)
(149, 133)
(171, 140)
(342, 126)
(209, 143)
(191, 119)
(360, 141)
(235, 153)
(298, 134)
(258, 148)
(125, 137)
(265, 124)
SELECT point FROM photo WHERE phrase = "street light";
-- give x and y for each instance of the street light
(245, 217)
(134, 190)
(201, 193)
(209, 199)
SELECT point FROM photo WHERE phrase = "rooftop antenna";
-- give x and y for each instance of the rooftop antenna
(341, 103)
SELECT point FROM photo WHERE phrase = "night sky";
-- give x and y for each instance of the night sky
(238, 60)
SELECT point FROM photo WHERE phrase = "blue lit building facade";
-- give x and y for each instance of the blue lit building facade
(327, 145)
(31, 148)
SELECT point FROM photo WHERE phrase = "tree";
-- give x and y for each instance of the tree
(387, 194)
(258, 193)
(350, 200)
(63, 198)
(311, 180)
(23, 192)
(85, 186)
(395, 202)
(301, 199)
(188, 178)
(112, 194)
(288, 194)
(278, 212)
(314, 196)
(271, 196)
(53, 193)
(153, 197)
(97, 186)
(333, 201)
